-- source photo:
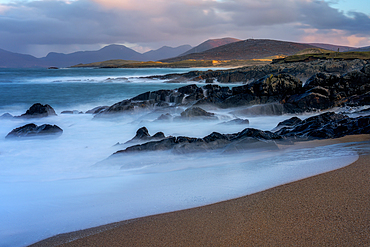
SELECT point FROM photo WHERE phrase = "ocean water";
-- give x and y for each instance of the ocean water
(53, 186)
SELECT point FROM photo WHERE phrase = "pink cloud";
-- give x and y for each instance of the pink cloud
(334, 36)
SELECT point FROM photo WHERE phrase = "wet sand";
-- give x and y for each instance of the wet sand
(330, 209)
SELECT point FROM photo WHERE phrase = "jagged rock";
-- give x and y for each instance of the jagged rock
(6, 116)
(197, 113)
(97, 110)
(237, 121)
(302, 70)
(142, 135)
(271, 109)
(248, 138)
(38, 111)
(72, 112)
(327, 125)
(32, 130)
(308, 101)
(165, 117)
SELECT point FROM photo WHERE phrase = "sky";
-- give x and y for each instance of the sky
(37, 27)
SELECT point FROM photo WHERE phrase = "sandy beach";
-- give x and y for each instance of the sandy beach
(330, 209)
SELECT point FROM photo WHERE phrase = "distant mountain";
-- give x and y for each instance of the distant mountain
(106, 53)
(247, 49)
(332, 47)
(366, 48)
(110, 52)
(15, 60)
(165, 52)
(210, 44)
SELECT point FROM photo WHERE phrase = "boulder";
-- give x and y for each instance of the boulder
(32, 130)
(6, 116)
(197, 113)
(236, 121)
(97, 110)
(142, 135)
(38, 111)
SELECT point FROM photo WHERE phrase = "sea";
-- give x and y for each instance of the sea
(58, 185)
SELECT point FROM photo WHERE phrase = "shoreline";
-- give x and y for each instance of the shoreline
(329, 208)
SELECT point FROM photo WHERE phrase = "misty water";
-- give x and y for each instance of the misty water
(58, 185)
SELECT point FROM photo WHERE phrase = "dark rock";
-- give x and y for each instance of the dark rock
(308, 101)
(197, 113)
(32, 130)
(142, 135)
(323, 126)
(38, 111)
(165, 117)
(6, 116)
(271, 109)
(237, 121)
(248, 138)
(97, 110)
(72, 112)
(290, 122)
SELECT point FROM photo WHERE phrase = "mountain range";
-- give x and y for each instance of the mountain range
(212, 49)
(16, 60)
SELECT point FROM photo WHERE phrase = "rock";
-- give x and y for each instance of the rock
(323, 126)
(32, 130)
(308, 101)
(197, 113)
(271, 109)
(38, 111)
(97, 110)
(236, 121)
(291, 122)
(6, 116)
(72, 112)
(165, 117)
(248, 138)
(142, 135)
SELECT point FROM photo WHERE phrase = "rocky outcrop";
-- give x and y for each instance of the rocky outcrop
(197, 113)
(302, 70)
(32, 130)
(38, 111)
(246, 139)
(6, 116)
(72, 112)
(97, 110)
(274, 94)
(323, 126)
(323, 91)
(236, 121)
(142, 135)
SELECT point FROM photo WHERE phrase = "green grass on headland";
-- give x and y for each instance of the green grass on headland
(351, 55)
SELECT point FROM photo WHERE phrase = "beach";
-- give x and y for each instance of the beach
(329, 209)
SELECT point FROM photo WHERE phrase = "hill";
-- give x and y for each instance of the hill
(245, 50)
(332, 47)
(164, 53)
(366, 48)
(110, 52)
(210, 44)
(106, 53)
(15, 60)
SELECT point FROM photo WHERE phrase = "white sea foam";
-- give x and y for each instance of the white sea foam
(58, 185)
(52, 186)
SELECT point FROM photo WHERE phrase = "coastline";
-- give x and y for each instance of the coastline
(326, 209)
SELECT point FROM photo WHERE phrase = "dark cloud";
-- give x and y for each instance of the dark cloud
(86, 23)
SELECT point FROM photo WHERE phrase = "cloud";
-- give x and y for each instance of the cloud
(25, 25)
